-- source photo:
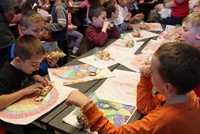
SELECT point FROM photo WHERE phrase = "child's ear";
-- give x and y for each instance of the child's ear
(23, 29)
(18, 59)
(94, 19)
(198, 36)
(168, 87)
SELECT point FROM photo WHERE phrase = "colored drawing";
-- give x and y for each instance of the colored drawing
(154, 26)
(151, 47)
(118, 114)
(136, 61)
(26, 110)
(76, 74)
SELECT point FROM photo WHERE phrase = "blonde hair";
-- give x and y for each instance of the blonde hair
(30, 17)
(194, 19)
(28, 46)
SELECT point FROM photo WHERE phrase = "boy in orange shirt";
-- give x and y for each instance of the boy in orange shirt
(174, 110)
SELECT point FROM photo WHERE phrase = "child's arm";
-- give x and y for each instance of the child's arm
(97, 38)
(99, 123)
(61, 20)
(8, 99)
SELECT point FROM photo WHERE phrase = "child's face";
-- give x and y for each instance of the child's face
(156, 78)
(100, 20)
(32, 64)
(35, 29)
(196, 9)
(189, 34)
(123, 3)
(116, 13)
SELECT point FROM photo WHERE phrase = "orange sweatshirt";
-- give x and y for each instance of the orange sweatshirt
(182, 118)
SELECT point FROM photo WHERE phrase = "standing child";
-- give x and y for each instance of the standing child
(100, 30)
(175, 104)
(16, 73)
(77, 37)
(190, 33)
(58, 27)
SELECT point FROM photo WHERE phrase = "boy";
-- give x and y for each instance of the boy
(15, 74)
(58, 26)
(32, 23)
(190, 33)
(125, 15)
(100, 29)
(112, 14)
(175, 110)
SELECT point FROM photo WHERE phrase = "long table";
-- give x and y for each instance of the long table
(58, 125)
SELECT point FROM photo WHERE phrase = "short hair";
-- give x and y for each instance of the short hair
(194, 19)
(110, 8)
(95, 11)
(28, 46)
(179, 65)
(29, 17)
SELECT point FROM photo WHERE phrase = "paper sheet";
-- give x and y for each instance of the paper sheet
(151, 47)
(27, 109)
(155, 26)
(78, 73)
(121, 88)
(136, 61)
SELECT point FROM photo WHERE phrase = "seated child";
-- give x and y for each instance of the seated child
(175, 110)
(32, 23)
(190, 33)
(16, 73)
(72, 31)
(100, 30)
(125, 15)
(112, 14)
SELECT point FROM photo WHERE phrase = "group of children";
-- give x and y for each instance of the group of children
(173, 71)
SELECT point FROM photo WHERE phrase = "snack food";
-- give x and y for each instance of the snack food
(82, 120)
(55, 54)
(44, 91)
(104, 55)
(136, 33)
(129, 43)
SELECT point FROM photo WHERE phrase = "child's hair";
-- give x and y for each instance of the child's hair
(110, 8)
(197, 4)
(95, 11)
(179, 65)
(24, 5)
(28, 46)
(30, 17)
(194, 19)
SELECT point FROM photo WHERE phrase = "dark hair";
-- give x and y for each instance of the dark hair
(179, 65)
(110, 8)
(28, 46)
(95, 11)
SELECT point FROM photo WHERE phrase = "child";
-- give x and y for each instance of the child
(58, 27)
(125, 15)
(43, 7)
(16, 73)
(190, 33)
(112, 14)
(196, 7)
(72, 32)
(100, 30)
(175, 110)
(32, 23)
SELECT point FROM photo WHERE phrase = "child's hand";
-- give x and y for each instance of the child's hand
(52, 62)
(106, 25)
(144, 26)
(39, 79)
(32, 89)
(127, 16)
(139, 17)
(74, 27)
(77, 98)
(145, 70)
